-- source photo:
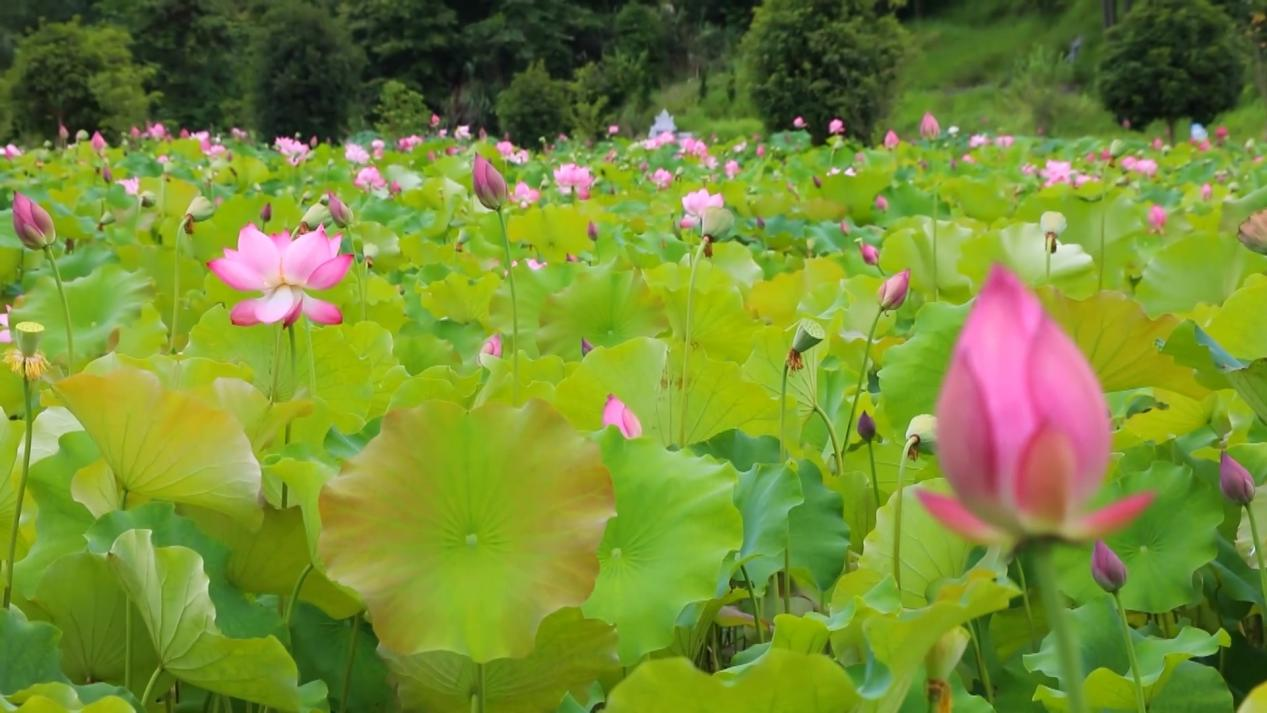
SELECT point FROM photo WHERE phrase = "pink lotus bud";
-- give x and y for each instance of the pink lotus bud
(893, 291)
(586, 347)
(616, 413)
(107, 175)
(98, 142)
(1156, 218)
(881, 203)
(866, 427)
(928, 126)
(339, 211)
(1221, 134)
(394, 188)
(1107, 568)
(62, 132)
(836, 127)
(32, 223)
(870, 254)
(613, 129)
(1023, 427)
(492, 346)
(591, 231)
(844, 227)
(761, 151)
(891, 140)
(1206, 191)
(435, 120)
(266, 213)
(490, 187)
(1235, 481)
(798, 122)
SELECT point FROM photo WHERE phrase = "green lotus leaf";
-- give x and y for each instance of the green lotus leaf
(1110, 684)
(777, 299)
(781, 681)
(555, 231)
(816, 532)
(912, 374)
(63, 698)
(604, 306)
(460, 298)
(911, 246)
(166, 445)
(675, 526)
(100, 303)
(1195, 269)
(1239, 324)
(719, 325)
(28, 650)
(1256, 701)
(320, 647)
(765, 495)
(1022, 247)
(169, 590)
(570, 652)
(473, 499)
(1162, 548)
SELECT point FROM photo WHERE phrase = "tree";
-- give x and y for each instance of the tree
(188, 41)
(307, 72)
(412, 41)
(80, 76)
(400, 110)
(1170, 59)
(534, 106)
(823, 59)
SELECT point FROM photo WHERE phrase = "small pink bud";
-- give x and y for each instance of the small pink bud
(616, 413)
(586, 347)
(492, 346)
(266, 213)
(870, 254)
(881, 203)
(98, 142)
(490, 187)
(1235, 481)
(339, 211)
(894, 289)
(1107, 568)
(891, 140)
(866, 427)
(32, 223)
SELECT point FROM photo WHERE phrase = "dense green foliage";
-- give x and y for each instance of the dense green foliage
(534, 106)
(1172, 59)
(824, 59)
(399, 108)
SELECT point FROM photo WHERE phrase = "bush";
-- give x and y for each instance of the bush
(822, 59)
(535, 105)
(400, 110)
(307, 73)
(1170, 59)
(83, 77)
(1039, 86)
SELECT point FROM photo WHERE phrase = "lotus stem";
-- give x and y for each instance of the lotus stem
(1258, 554)
(351, 660)
(17, 510)
(1064, 635)
(294, 596)
(857, 391)
(982, 669)
(149, 687)
(514, 310)
(875, 483)
(783, 415)
(936, 202)
(1140, 705)
(897, 513)
(61, 292)
(1103, 211)
(686, 347)
(831, 437)
(127, 646)
(171, 334)
(756, 606)
(1029, 612)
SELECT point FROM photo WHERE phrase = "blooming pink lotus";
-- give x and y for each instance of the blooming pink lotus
(525, 195)
(836, 127)
(928, 126)
(295, 151)
(407, 143)
(1207, 191)
(732, 168)
(283, 269)
(462, 133)
(662, 178)
(356, 153)
(616, 413)
(1004, 141)
(1156, 218)
(1023, 430)
(613, 129)
(695, 204)
(572, 178)
(10, 151)
(369, 179)
(132, 186)
(891, 140)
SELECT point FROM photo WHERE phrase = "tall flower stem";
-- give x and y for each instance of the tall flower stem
(277, 367)
(686, 329)
(61, 292)
(349, 663)
(1258, 552)
(897, 514)
(783, 414)
(857, 389)
(831, 436)
(127, 646)
(756, 605)
(294, 376)
(294, 597)
(514, 311)
(1103, 211)
(479, 703)
(1029, 612)
(1063, 634)
(936, 206)
(875, 483)
(26, 469)
(982, 669)
(172, 326)
(1140, 705)
(149, 687)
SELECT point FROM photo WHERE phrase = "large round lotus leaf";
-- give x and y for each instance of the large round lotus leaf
(665, 548)
(913, 371)
(570, 653)
(1199, 267)
(463, 530)
(28, 651)
(1022, 247)
(1162, 548)
(100, 303)
(63, 698)
(166, 445)
(603, 305)
(781, 681)
(911, 246)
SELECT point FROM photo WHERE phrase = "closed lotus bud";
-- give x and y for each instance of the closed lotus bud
(81, 135)
(760, 223)
(489, 186)
(818, 182)
(591, 230)
(62, 132)
(923, 428)
(147, 199)
(32, 223)
(1235, 481)
(107, 175)
(317, 214)
(866, 427)
(870, 255)
(1253, 232)
(616, 413)
(266, 213)
(893, 292)
(200, 209)
(717, 222)
(1107, 568)
(339, 211)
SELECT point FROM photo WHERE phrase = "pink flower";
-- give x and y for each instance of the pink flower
(692, 146)
(891, 140)
(98, 142)
(1029, 169)
(978, 140)
(1158, 144)
(662, 178)
(1220, 134)
(525, 195)
(283, 269)
(378, 146)
(616, 413)
(10, 151)
(435, 120)
(928, 126)
(1206, 192)
(462, 133)
(407, 143)
(870, 254)
(295, 151)
(835, 126)
(356, 153)
(798, 122)
(368, 179)
(569, 177)
(881, 203)
(893, 290)
(158, 132)
(695, 204)
(1057, 172)
(1023, 431)
(1004, 141)
(238, 134)
(131, 185)
(6, 337)
(492, 346)
(1156, 218)
(613, 129)
(732, 168)
(760, 150)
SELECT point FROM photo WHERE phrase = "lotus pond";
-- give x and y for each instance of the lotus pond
(311, 428)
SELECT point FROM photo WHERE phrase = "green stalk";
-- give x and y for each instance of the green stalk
(1029, 612)
(127, 646)
(26, 469)
(347, 666)
(277, 367)
(787, 572)
(290, 333)
(783, 415)
(482, 684)
(982, 669)
(1047, 249)
(686, 347)
(1258, 553)
(294, 597)
(514, 314)
(756, 607)
(936, 202)
(1140, 705)
(831, 435)
(61, 292)
(1103, 211)
(875, 483)
(1062, 632)
(171, 335)
(857, 389)
(149, 687)
(897, 514)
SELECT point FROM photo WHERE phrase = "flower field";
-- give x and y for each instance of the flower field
(948, 423)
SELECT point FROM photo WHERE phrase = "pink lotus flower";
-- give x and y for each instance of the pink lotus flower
(1158, 144)
(891, 140)
(881, 203)
(157, 131)
(131, 185)
(238, 134)
(613, 129)
(462, 133)
(378, 146)
(569, 178)
(435, 120)
(98, 142)
(1004, 141)
(761, 151)
(798, 122)
(6, 337)
(1023, 430)
(356, 154)
(835, 126)
(369, 179)
(1029, 169)
(283, 269)
(732, 168)
(295, 151)
(1057, 172)
(696, 203)
(616, 413)
(1220, 134)
(1156, 218)
(928, 126)
(1207, 191)
(662, 178)
(492, 346)
(408, 143)
(525, 195)
(893, 291)
(976, 141)
(10, 151)
(870, 254)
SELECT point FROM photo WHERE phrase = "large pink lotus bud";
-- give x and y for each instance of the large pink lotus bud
(928, 126)
(32, 223)
(490, 187)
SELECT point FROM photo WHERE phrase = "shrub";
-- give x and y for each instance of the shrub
(83, 77)
(400, 110)
(306, 75)
(1039, 86)
(1170, 59)
(822, 59)
(535, 105)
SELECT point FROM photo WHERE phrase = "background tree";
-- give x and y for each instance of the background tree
(1171, 59)
(822, 59)
(534, 106)
(413, 41)
(400, 110)
(78, 75)
(306, 73)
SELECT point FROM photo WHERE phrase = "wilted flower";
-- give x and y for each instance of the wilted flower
(25, 359)
(1253, 232)
(616, 413)
(283, 269)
